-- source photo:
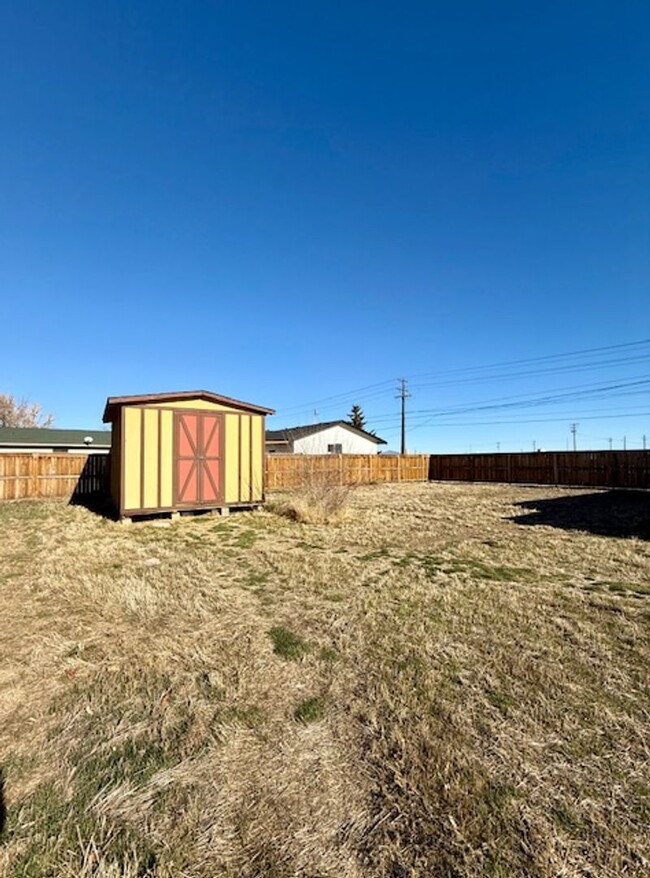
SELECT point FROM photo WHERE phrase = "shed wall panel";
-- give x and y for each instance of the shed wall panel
(232, 458)
(245, 458)
(150, 464)
(116, 463)
(166, 457)
(258, 458)
(132, 458)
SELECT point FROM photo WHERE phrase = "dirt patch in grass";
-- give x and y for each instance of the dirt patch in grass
(426, 687)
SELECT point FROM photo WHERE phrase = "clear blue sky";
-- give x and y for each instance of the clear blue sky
(284, 202)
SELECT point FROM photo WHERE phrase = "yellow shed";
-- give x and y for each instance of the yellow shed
(179, 451)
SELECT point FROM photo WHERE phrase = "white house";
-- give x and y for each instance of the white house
(331, 437)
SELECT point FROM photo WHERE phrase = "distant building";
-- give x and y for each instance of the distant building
(330, 437)
(44, 440)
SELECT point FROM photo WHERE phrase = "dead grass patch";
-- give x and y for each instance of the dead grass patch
(432, 689)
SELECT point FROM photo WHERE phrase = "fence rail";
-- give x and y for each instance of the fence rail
(82, 475)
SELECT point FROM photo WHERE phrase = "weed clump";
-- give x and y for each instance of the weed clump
(310, 711)
(315, 503)
(287, 644)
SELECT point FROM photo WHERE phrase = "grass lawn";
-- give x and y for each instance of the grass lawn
(444, 683)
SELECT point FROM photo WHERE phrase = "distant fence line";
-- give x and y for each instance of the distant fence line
(597, 469)
(78, 475)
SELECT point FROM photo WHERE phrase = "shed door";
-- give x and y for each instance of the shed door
(198, 475)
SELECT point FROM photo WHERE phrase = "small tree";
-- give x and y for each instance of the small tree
(356, 418)
(22, 414)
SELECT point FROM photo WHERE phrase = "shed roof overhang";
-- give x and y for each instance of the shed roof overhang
(115, 403)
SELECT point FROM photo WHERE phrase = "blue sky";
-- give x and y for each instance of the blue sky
(289, 202)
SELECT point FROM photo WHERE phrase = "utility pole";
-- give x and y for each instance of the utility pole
(574, 428)
(644, 437)
(534, 445)
(315, 416)
(624, 443)
(498, 446)
(403, 394)
(610, 443)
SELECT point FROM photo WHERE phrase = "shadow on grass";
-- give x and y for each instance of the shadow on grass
(99, 503)
(606, 513)
(92, 488)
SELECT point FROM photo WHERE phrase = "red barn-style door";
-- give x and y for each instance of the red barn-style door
(198, 459)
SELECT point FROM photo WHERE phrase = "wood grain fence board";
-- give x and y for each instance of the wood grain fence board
(298, 470)
(52, 475)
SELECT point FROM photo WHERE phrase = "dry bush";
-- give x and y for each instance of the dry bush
(315, 504)
(320, 498)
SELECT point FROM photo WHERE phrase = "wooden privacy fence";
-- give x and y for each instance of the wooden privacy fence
(52, 475)
(298, 470)
(79, 475)
(602, 469)
(82, 475)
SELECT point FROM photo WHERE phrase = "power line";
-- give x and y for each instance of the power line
(580, 392)
(337, 396)
(381, 388)
(585, 391)
(546, 358)
(566, 369)
(520, 421)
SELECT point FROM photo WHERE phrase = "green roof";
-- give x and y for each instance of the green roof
(35, 436)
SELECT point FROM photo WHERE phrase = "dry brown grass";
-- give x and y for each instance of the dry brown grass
(430, 689)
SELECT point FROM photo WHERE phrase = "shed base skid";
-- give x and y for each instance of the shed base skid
(174, 514)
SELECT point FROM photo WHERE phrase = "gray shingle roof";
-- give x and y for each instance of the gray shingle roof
(47, 437)
(289, 434)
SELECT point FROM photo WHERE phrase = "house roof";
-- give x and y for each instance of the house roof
(47, 437)
(114, 403)
(289, 434)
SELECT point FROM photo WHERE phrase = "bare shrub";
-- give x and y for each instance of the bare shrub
(319, 497)
(325, 504)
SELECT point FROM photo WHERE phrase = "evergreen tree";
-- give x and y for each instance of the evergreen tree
(356, 418)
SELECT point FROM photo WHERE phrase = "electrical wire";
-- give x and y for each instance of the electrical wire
(384, 388)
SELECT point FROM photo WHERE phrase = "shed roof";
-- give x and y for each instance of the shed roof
(46, 436)
(114, 403)
(289, 434)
